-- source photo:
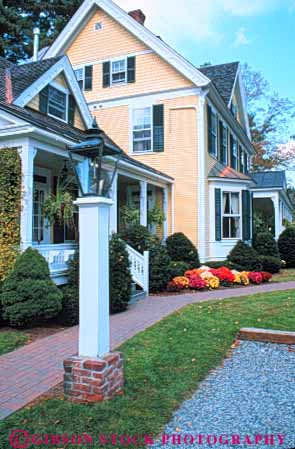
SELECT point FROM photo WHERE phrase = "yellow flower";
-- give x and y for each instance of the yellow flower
(213, 282)
(244, 278)
(206, 275)
(238, 278)
(181, 281)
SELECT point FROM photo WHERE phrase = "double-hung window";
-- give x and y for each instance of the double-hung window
(119, 72)
(231, 216)
(80, 77)
(212, 131)
(142, 130)
(234, 152)
(57, 103)
(242, 160)
(222, 143)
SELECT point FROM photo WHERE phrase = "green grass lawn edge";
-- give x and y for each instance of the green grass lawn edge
(11, 340)
(163, 366)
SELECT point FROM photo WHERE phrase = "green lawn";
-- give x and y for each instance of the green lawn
(163, 366)
(285, 275)
(11, 340)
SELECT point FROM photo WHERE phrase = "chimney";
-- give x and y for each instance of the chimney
(8, 87)
(36, 32)
(137, 15)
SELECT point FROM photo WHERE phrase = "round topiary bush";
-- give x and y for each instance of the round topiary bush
(181, 249)
(159, 268)
(120, 276)
(177, 269)
(245, 256)
(286, 245)
(265, 245)
(139, 237)
(28, 293)
(270, 264)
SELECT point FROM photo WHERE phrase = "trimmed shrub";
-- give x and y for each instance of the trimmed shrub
(270, 264)
(70, 305)
(265, 245)
(28, 293)
(286, 245)
(139, 237)
(245, 256)
(120, 276)
(177, 269)
(159, 268)
(181, 249)
(224, 263)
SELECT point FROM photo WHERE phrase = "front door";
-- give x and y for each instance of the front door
(41, 228)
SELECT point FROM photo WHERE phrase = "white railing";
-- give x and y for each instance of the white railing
(139, 267)
(57, 256)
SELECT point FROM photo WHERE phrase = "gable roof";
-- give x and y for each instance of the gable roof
(221, 171)
(270, 179)
(141, 32)
(224, 77)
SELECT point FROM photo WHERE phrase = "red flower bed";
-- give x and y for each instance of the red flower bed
(255, 277)
(224, 274)
(266, 276)
(197, 283)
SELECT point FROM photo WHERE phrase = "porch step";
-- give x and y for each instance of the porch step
(136, 294)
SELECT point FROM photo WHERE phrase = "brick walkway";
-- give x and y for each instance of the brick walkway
(32, 370)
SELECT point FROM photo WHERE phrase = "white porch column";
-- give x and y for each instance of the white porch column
(166, 212)
(94, 330)
(143, 203)
(27, 153)
(114, 208)
(276, 203)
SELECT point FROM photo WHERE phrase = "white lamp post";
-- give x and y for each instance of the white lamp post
(95, 374)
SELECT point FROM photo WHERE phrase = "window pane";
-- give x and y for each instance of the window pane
(226, 233)
(119, 71)
(143, 145)
(226, 207)
(234, 228)
(235, 206)
(57, 103)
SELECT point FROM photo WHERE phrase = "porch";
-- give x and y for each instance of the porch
(133, 192)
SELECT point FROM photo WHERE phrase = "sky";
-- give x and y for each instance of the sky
(259, 32)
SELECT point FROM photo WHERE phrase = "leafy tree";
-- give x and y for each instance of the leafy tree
(18, 18)
(269, 117)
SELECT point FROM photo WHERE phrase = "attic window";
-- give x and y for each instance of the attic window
(97, 26)
(57, 103)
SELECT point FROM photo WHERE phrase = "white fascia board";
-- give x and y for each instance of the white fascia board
(230, 180)
(63, 65)
(139, 31)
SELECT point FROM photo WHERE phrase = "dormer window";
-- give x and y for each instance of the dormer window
(57, 103)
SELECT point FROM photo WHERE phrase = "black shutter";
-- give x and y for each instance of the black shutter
(221, 152)
(106, 75)
(131, 65)
(209, 123)
(246, 214)
(72, 109)
(88, 77)
(158, 127)
(43, 100)
(217, 215)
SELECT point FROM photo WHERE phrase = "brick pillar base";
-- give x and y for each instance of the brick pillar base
(93, 380)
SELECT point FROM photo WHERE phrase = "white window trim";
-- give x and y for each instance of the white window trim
(131, 115)
(64, 91)
(121, 83)
(232, 215)
(83, 79)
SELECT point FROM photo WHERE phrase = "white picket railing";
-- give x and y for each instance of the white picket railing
(139, 267)
(57, 256)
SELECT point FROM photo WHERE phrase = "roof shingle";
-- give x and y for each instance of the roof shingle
(223, 76)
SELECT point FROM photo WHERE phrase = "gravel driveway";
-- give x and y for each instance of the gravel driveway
(252, 395)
